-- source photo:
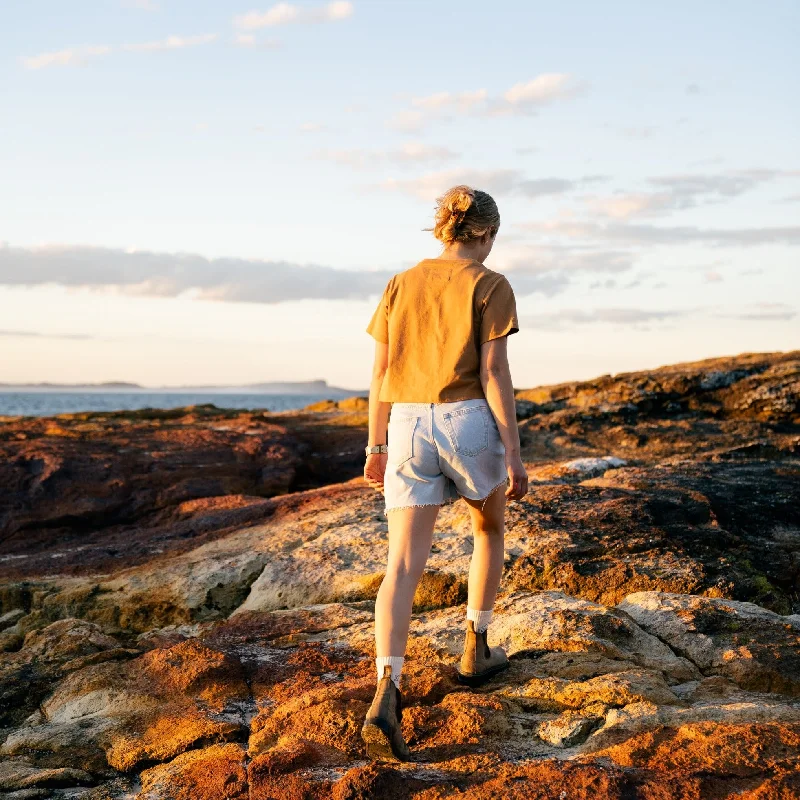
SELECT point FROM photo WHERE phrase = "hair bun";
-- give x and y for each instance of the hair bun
(463, 213)
(459, 200)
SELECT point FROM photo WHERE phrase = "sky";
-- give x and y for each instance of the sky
(197, 192)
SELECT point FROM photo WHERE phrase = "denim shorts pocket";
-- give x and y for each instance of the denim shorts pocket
(468, 429)
(400, 439)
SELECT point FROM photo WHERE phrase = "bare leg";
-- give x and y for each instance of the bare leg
(486, 567)
(410, 538)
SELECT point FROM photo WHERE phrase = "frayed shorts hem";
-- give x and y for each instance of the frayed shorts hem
(415, 505)
(449, 502)
(492, 491)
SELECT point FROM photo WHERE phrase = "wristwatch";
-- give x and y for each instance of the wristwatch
(376, 448)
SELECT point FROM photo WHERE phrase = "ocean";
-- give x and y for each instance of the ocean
(45, 404)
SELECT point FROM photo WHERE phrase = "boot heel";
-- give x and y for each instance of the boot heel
(478, 680)
(377, 739)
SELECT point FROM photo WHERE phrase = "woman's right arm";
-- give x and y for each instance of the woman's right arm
(495, 375)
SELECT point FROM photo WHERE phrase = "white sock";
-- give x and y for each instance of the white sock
(481, 618)
(396, 663)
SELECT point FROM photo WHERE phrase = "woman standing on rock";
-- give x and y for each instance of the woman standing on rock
(441, 366)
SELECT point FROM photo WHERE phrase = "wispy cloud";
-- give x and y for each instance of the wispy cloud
(171, 274)
(679, 192)
(644, 318)
(251, 41)
(499, 181)
(765, 312)
(144, 273)
(543, 89)
(81, 56)
(639, 132)
(522, 98)
(630, 234)
(41, 335)
(286, 13)
(172, 43)
(70, 57)
(462, 102)
(408, 153)
(571, 317)
(562, 259)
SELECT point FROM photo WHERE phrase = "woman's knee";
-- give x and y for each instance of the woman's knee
(490, 529)
(403, 573)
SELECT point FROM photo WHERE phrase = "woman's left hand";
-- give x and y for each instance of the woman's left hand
(375, 469)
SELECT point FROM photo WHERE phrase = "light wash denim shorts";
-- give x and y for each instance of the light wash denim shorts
(438, 452)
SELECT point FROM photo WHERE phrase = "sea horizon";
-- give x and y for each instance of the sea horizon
(45, 403)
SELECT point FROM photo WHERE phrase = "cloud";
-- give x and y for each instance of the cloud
(679, 192)
(172, 43)
(563, 259)
(765, 311)
(641, 132)
(408, 121)
(543, 89)
(570, 317)
(733, 183)
(39, 335)
(462, 102)
(549, 284)
(499, 181)
(144, 273)
(66, 58)
(522, 98)
(286, 13)
(81, 55)
(623, 206)
(171, 274)
(632, 234)
(250, 41)
(408, 153)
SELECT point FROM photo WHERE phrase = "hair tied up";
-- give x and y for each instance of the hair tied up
(464, 213)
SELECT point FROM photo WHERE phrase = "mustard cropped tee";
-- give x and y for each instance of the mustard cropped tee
(435, 316)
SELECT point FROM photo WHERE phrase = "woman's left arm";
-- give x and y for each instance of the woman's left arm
(375, 466)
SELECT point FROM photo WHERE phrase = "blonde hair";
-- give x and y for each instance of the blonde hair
(464, 213)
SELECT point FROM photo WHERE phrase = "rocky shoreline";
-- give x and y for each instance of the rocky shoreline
(186, 602)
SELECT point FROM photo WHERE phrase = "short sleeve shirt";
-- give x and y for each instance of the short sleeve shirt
(434, 317)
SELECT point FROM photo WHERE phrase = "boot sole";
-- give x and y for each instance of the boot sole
(480, 678)
(378, 739)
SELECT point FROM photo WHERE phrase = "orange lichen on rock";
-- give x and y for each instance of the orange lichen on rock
(215, 773)
(753, 749)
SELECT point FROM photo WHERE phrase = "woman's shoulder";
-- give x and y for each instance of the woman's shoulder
(475, 272)
(490, 278)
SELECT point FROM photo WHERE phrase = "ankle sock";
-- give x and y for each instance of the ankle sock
(396, 663)
(481, 618)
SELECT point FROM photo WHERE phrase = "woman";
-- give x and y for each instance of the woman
(441, 365)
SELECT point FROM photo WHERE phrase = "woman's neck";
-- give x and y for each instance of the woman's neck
(458, 251)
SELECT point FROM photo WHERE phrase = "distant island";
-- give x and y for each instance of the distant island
(316, 387)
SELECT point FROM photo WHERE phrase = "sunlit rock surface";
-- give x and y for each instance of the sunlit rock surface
(186, 603)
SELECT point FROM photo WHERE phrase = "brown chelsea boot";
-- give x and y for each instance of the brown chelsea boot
(479, 661)
(381, 729)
